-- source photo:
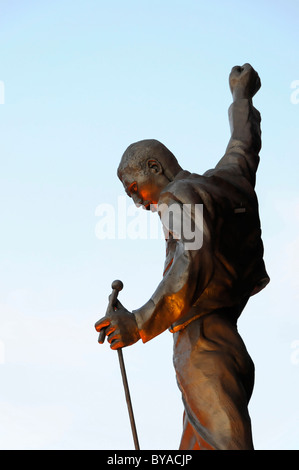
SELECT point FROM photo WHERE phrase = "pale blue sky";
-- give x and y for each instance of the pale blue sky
(83, 80)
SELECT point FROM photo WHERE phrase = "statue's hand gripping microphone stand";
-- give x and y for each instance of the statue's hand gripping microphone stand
(116, 288)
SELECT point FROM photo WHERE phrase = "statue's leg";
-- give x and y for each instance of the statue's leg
(215, 375)
(190, 439)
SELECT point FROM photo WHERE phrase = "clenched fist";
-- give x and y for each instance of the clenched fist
(244, 82)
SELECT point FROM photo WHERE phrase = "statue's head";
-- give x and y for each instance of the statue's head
(145, 169)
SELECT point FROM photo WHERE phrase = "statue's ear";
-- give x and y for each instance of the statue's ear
(155, 167)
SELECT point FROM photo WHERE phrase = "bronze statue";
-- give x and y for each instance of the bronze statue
(204, 290)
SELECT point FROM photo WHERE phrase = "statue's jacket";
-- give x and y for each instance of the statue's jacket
(228, 267)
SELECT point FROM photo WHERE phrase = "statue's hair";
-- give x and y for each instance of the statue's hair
(137, 155)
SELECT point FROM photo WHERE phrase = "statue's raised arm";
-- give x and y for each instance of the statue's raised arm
(244, 146)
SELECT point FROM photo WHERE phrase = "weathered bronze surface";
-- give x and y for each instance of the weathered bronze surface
(204, 289)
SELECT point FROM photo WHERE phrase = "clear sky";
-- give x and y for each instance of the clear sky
(80, 81)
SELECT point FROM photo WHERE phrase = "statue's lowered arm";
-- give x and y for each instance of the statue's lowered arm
(186, 276)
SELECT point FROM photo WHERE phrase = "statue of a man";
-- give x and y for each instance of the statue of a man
(204, 289)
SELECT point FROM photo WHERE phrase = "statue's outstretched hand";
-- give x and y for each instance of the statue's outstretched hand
(120, 327)
(244, 82)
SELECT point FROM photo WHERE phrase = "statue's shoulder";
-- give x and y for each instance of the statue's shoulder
(187, 189)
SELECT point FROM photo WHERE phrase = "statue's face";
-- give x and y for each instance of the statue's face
(144, 187)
